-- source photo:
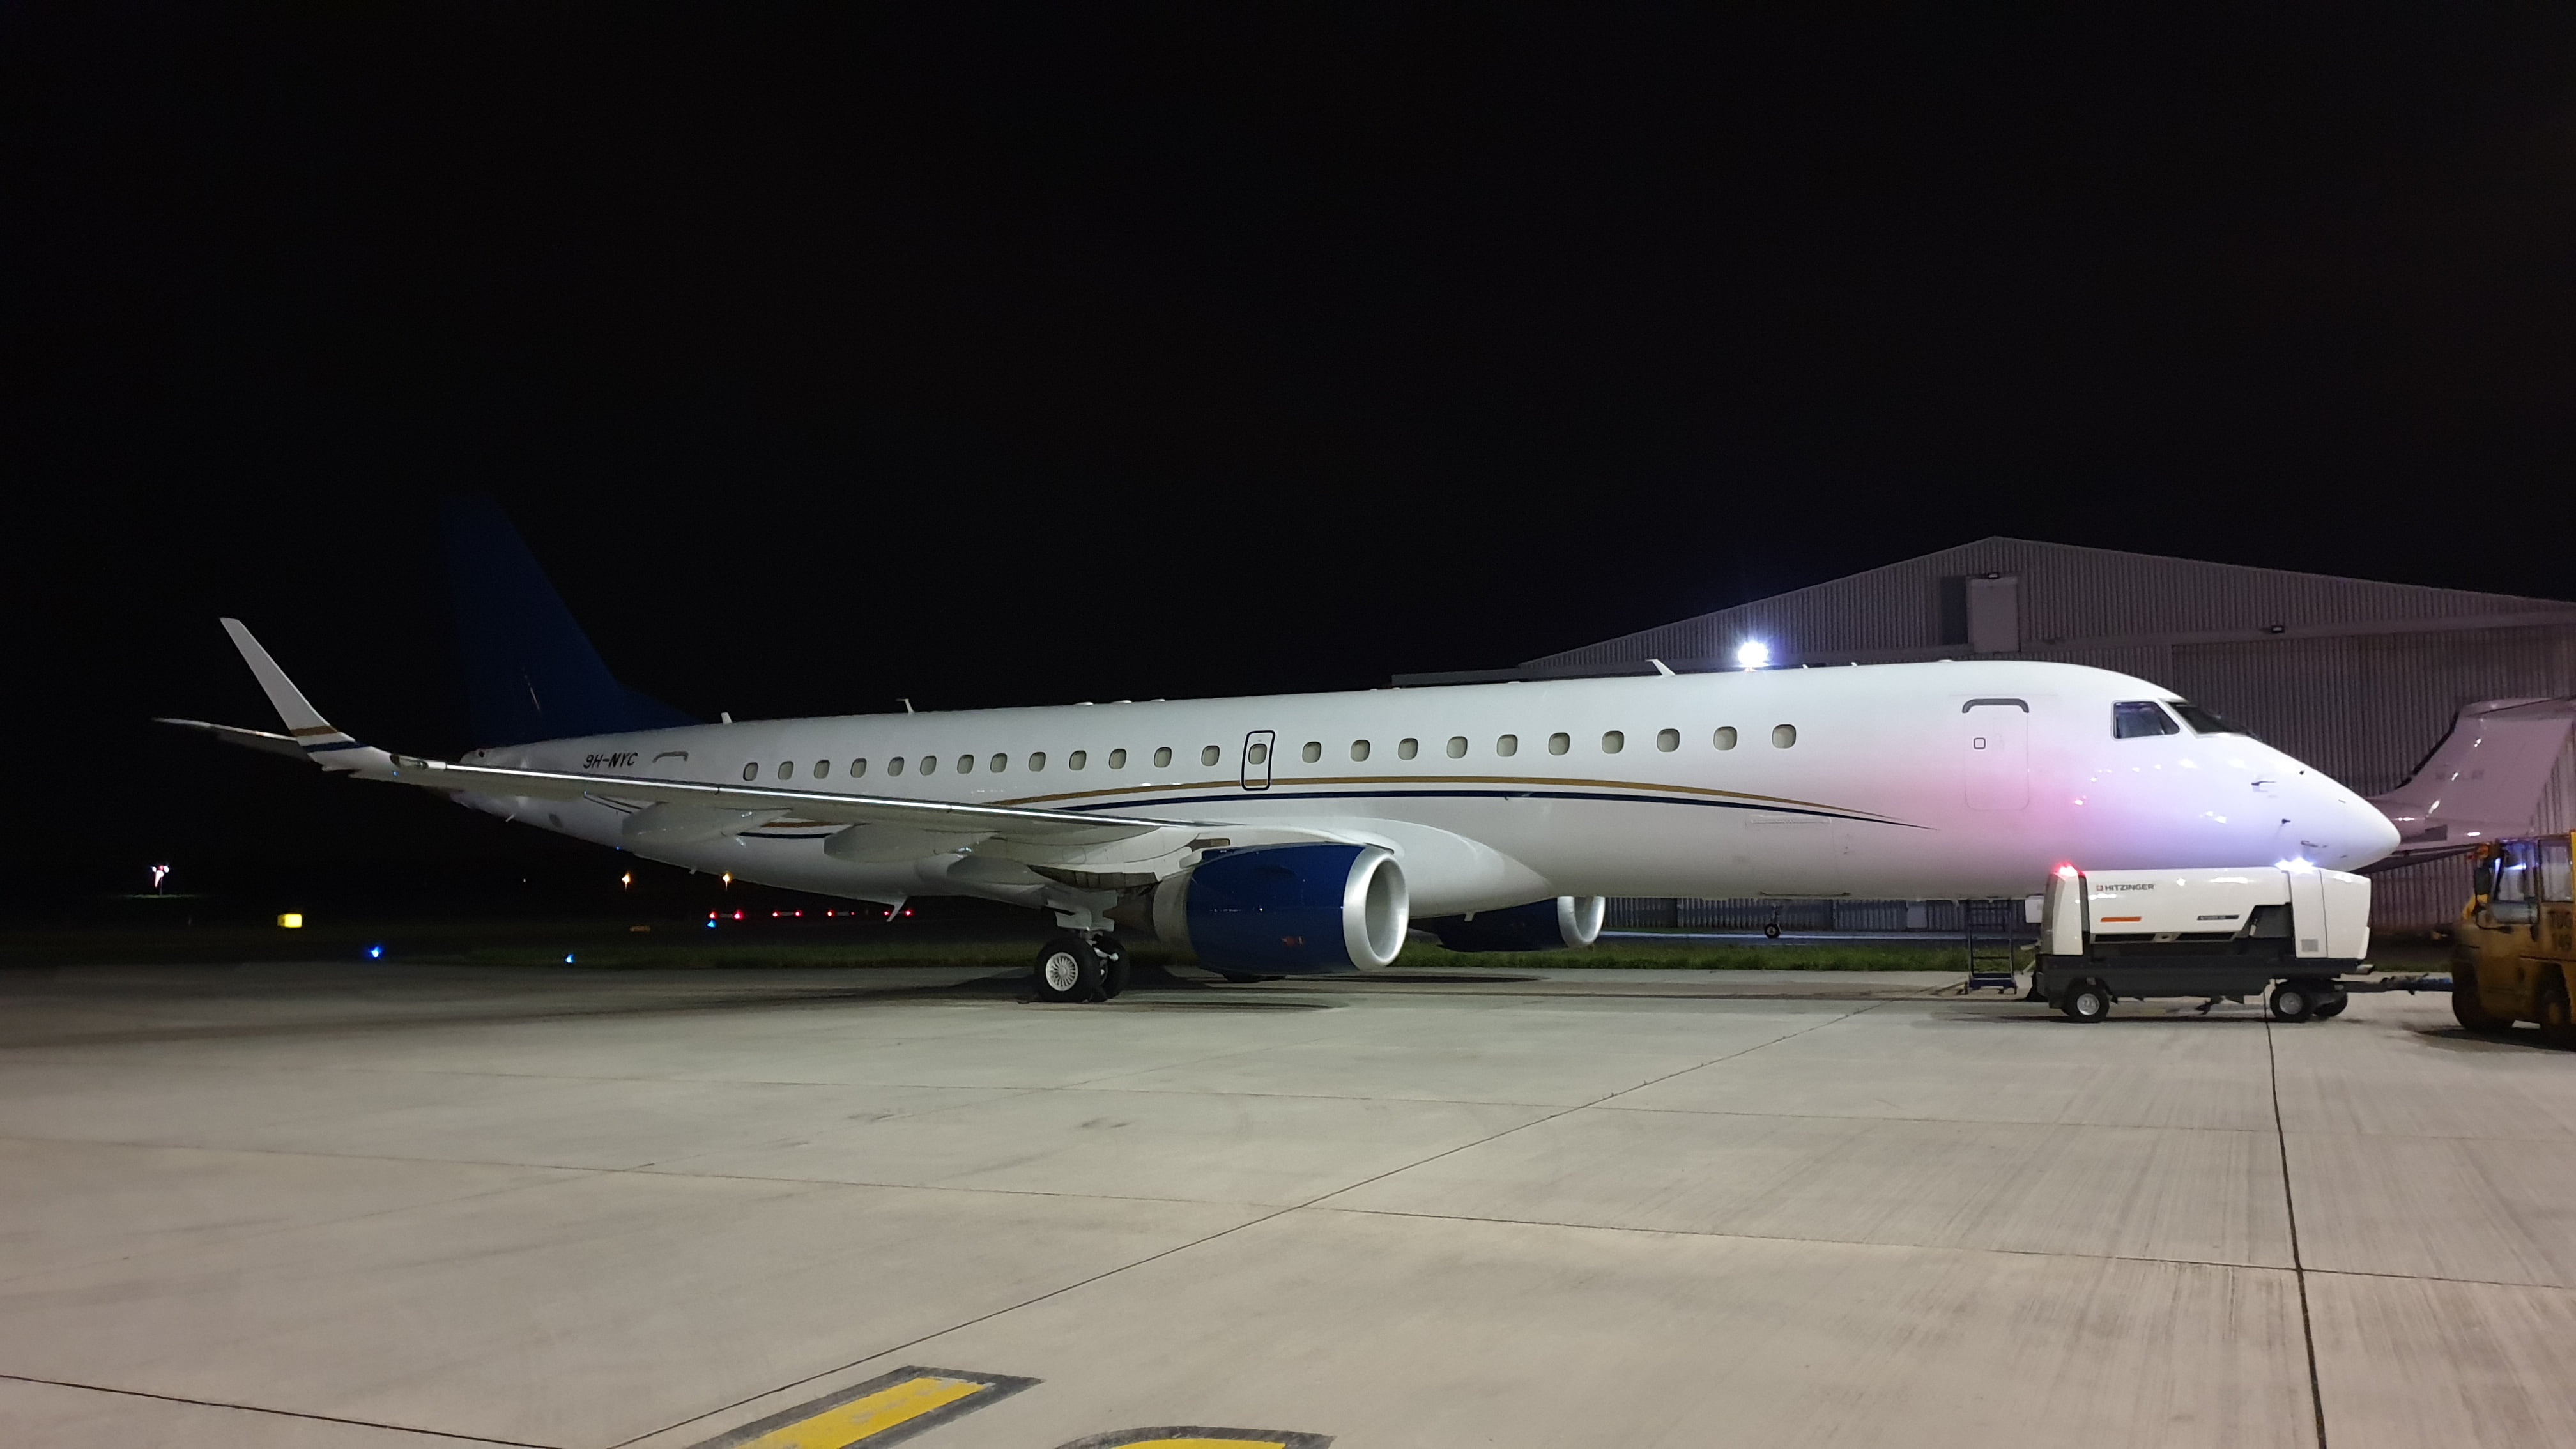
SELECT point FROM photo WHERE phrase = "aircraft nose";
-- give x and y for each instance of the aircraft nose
(2354, 833)
(2373, 835)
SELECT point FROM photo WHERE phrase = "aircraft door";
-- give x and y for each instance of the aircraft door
(1995, 736)
(1256, 759)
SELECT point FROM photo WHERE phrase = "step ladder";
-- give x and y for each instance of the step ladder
(1994, 934)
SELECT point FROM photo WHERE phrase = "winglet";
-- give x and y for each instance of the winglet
(318, 737)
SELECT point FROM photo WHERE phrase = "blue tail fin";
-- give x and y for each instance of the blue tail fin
(530, 673)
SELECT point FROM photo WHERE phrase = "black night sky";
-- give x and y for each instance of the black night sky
(1013, 356)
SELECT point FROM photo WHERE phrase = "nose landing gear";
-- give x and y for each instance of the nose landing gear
(1081, 966)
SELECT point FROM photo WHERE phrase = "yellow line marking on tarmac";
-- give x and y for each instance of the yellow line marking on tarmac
(882, 1410)
(1201, 1437)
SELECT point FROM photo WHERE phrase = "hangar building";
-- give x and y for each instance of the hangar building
(2360, 679)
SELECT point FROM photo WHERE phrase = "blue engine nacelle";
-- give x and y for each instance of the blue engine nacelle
(1563, 923)
(1288, 909)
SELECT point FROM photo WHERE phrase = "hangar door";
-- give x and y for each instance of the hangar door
(1995, 737)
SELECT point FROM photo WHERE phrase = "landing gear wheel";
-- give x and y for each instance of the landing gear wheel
(1771, 929)
(2086, 1001)
(1239, 978)
(1068, 970)
(2466, 1008)
(2294, 1001)
(1113, 966)
(2557, 1026)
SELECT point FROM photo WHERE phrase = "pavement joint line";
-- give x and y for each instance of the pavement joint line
(2283, 1268)
(1955, 1121)
(1252, 1222)
(255, 1234)
(279, 1413)
(2298, 1264)
(1595, 1102)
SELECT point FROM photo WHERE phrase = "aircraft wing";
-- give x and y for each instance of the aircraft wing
(1108, 847)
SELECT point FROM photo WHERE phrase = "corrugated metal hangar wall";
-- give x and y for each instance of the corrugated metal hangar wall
(2360, 679)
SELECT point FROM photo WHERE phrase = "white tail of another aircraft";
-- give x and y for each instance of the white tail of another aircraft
(2485, 778)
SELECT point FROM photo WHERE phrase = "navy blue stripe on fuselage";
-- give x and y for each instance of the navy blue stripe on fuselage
(1479, 795)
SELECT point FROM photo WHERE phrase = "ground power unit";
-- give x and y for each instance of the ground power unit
(2226, 934)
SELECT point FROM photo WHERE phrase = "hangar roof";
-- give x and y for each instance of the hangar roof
(2063, 600)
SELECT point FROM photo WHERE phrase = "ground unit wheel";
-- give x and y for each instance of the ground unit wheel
(2332, 1006)
(2556, 1026)
(1068, 969)
(2294, 1001)
(2086, 1001)
(2466, 1008)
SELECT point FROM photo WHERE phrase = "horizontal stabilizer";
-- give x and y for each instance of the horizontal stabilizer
(2485, 778)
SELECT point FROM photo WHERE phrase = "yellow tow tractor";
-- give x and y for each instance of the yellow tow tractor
(2513, 957)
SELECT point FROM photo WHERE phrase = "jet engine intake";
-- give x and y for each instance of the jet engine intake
(1563, 923)
(1288, 909)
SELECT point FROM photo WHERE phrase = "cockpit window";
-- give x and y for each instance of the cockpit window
(2203, 721)
(2137, 718)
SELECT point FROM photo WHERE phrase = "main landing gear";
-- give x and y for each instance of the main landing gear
(1081, 966)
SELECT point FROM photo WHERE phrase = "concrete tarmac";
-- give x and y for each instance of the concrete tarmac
(390, 1206)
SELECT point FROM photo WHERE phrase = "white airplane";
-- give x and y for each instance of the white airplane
(1305, 833)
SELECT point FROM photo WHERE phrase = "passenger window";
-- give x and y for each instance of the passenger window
(822, 769)
(1077, 759)
(1314, 751)
(1724, 739)
(1783, 736)
(2134, 719)
(1613, 741)
(1210, 755)
(895, 765)
(1118, 759)
(1507, 746)
(1258, 754)
(965, 764)
(1457, 747)
(1162, 757)
(1359, 749)
(1559, 744)
(930, 764)
(1037, 760)
(1406, 749)
(751, 771)
(1668, 740)
(787, 769)
(858, 767)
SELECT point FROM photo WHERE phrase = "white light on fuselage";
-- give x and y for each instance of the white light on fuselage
(1753, 654)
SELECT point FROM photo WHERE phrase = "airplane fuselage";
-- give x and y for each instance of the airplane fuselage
(1944, 780)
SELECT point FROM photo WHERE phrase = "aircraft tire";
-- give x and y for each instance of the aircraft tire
(1239, 978)
(1114, 970)
(2294, 1001)
(2085, 1001)
(1067, 969)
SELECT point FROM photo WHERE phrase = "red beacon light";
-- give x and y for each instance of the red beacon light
(2067, 872)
